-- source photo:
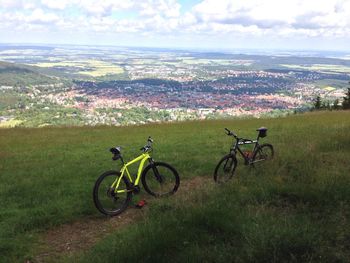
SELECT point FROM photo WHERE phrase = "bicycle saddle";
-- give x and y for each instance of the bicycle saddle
(116, 153)
(115, 150)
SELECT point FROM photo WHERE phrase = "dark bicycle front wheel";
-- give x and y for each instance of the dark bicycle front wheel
(106, 199)
(160, 179)
(264, 152)
(225, 169)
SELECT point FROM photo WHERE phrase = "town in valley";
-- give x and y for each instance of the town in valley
(86, 85)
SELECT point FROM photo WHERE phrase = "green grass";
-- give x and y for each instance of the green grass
(294, 209)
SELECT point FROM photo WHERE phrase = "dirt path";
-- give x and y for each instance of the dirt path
(81, 235)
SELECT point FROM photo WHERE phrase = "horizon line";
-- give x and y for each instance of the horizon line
(189, 48)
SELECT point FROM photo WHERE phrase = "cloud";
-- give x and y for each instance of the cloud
(168, 9)
(8, 4)
(54, 4)
(308, 17)
(38, 16)
(241, 18)
(104, 7)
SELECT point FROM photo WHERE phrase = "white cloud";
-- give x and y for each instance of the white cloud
(56, 4)
(276, 16)
(242, 18)
(10, 3)
(104, 7)
(39, 16)
(164, 8)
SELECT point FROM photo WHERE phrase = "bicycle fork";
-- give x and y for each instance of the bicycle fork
(156, 173)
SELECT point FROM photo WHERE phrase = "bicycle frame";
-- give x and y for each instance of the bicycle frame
(236, 148)
(125, 172)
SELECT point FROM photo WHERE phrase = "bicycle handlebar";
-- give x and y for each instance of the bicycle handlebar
(148, 146)
(230, 133)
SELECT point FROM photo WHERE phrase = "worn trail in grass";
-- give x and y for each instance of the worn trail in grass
(76, 237)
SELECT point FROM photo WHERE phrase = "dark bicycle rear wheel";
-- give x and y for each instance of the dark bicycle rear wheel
(264, 152)
(225, 169)
(106, 200)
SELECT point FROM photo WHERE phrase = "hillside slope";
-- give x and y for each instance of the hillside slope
(12, 74)
(295, 208)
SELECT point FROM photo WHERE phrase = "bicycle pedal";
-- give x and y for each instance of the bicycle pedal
(141, 204)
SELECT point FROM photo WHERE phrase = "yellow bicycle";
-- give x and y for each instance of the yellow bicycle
(113, 190)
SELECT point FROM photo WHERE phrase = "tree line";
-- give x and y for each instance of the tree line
(336, 105)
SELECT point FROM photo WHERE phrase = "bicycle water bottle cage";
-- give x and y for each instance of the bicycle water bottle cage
(262, 132)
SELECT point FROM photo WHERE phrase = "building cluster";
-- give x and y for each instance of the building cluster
(240, 93)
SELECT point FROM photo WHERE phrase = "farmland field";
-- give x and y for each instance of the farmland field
(321, 68)
(92, 68)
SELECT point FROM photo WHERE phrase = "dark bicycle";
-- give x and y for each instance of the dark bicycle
(226, 167)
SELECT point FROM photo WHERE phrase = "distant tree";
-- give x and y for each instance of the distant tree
(317, 103)
(336, 104)
(327, 106)
(324, 105)
(346, 100)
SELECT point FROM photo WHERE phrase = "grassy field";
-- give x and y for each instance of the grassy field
(294, 209)
(334, 83)
(321, 67)
(10, 123)
(96, 68)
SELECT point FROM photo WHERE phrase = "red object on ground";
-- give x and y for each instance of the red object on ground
(248, 154)
(141, 203)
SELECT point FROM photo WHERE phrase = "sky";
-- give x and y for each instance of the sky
(208, 24)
